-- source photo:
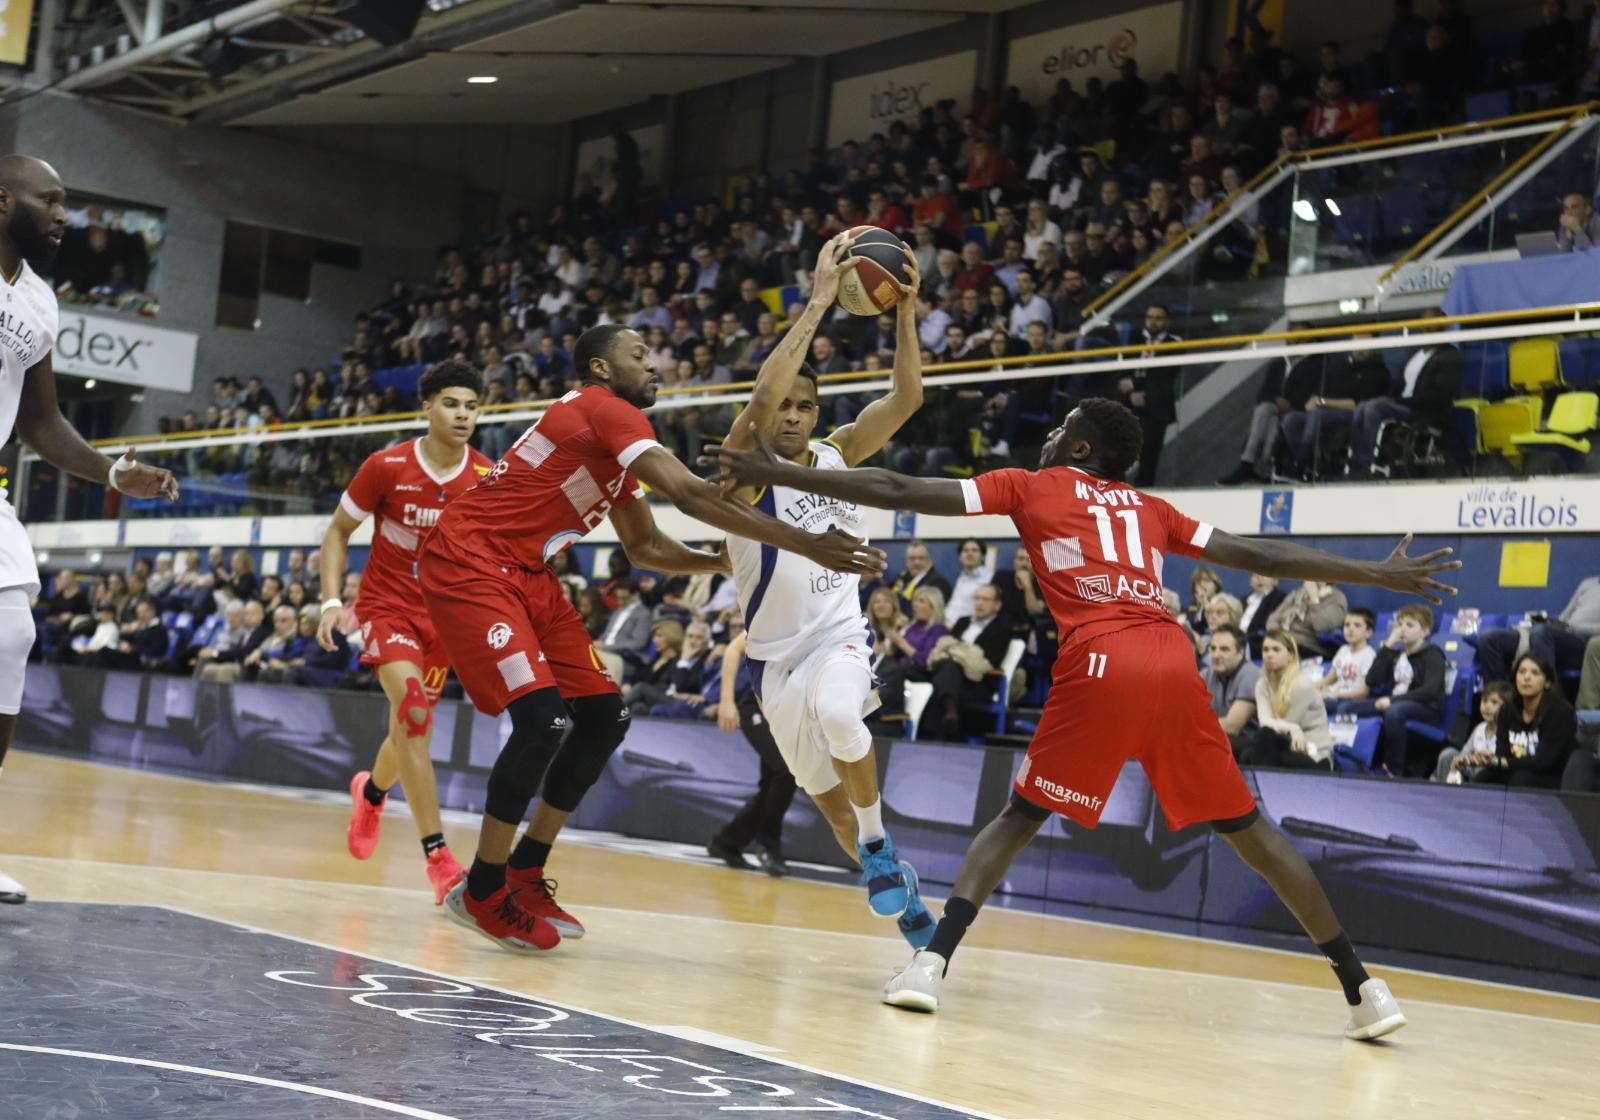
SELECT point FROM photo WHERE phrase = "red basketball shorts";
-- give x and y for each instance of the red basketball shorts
(390, 637)
(507, 631)
(1133, 694)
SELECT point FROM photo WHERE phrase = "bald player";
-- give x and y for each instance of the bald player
(33, 216)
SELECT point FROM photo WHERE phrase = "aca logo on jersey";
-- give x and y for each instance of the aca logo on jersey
(499, 635)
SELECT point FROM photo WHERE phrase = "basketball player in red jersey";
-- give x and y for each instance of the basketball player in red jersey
(520, 647)
(405, 487)
(1125, 684)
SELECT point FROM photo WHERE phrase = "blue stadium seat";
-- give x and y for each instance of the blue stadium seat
(1357, 757)
(1579, 360)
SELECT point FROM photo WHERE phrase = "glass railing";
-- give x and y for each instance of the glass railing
(1281, 400)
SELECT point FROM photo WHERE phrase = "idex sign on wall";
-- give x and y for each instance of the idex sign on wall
(871, 103)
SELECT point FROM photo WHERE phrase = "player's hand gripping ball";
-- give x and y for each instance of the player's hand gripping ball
(874, 285)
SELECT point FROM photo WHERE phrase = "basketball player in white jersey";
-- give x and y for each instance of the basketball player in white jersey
(33, 217)
(808, 641)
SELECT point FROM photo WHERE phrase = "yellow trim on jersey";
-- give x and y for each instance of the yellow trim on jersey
(757, 497)
(829, 441)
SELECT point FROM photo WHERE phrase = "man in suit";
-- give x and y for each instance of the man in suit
(988, 629)
(627, 633)
(1152, 395)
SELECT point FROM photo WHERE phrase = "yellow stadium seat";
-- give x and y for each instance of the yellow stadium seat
(1572, 420)
(1499, 422)
(773, 298)
(1535, 365)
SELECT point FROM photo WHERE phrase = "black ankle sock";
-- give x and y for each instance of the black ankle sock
(1346, 966)
(485, 878)
(530, 853)
(372, 793)
(433, 843)
(952, 927)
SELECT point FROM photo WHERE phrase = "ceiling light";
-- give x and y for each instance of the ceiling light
(1304, 210)
(1333, 207)
(482, 80)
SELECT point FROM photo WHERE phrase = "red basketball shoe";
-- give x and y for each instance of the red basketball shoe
(537, 895)
(443, 871)
(501, 920)
(365, 818)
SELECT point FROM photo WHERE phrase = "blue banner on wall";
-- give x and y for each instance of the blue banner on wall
(1482, 873)
(1277, 511)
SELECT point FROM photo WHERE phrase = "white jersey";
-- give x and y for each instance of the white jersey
(788, 601)
(29, 320)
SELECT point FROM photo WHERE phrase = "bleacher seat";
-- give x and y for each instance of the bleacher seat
(1486, 371)
(1002, 676)
(1502, 420)
(1535, 365)
(1563, 441)
(1579, 360)
(918, 693)
(1357, 754)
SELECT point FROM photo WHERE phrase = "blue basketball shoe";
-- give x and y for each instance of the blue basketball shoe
(916, 924)
(888, 892)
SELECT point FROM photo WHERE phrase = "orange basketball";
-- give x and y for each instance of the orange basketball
(870, 287)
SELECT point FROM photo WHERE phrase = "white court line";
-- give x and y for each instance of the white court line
(879, 938)
(901, 1093)
(593, 839)
(247, 1078)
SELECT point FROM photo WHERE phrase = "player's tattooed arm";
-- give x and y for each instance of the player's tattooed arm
(648, 547)
(41, 426)
(775, 381)
(1409, 575)
(867, 486)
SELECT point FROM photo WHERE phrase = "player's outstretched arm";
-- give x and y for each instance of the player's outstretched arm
(775, 380)
(41, 426)
(867, 486)
(648, 547)
(839, 552)
(882, 418)
(1409, 575)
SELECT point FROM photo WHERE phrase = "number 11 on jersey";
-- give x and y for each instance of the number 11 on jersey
(1097, 665)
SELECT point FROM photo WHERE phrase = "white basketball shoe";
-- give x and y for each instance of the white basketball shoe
(1376, 1015)
(916, 986)
(10, 890)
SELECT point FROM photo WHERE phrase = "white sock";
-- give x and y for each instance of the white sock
(869, 822)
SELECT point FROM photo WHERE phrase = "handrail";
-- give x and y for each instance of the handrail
(1510, 172)
(1131, 277)
(1187, 346)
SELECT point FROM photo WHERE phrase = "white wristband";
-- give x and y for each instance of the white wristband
(118, 466)
(332, 605)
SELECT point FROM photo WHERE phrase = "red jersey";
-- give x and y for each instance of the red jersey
(560, 480)
(402, 492)
(1097, 545)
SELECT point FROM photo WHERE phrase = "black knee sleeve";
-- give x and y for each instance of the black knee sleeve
(1026, 808)
(538, 723)
(598, 726)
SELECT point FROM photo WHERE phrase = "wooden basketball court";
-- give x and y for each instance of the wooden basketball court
(1042, 1017)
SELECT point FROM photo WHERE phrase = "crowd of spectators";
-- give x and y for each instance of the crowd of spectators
(1290, 669)
(1075, 192)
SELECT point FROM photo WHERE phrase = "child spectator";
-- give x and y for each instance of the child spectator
(1346, 678)
(1412, 671)
(1462, 764)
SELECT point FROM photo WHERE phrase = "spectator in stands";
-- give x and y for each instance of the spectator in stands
(1228, 130)
(1029, 307)
(1307, 612)
(1438, 89)
(988, 173)
(1039, 231)
(1264, 598)
(919, 572)
(1561, 641)
(1221, 610)
(1293, 731)
(653, 683)
(1204, 582)
(1430, 382)
(66, 604)
(1346, 678)
(975, 571)
(1552, 50)
(1579, 226)
(1201, 201)
(281, 645)
(1404, 44)
(1070, 306)
(1319, 402)
(1010, 266)
(1462, 763)
(1536, 732)
(1411, 671)
(1232, 682)
(627, 631)
(961, 661)
(936, 209)
(593, 610)
(1151, 396)
(140, 645)
(912, 645)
